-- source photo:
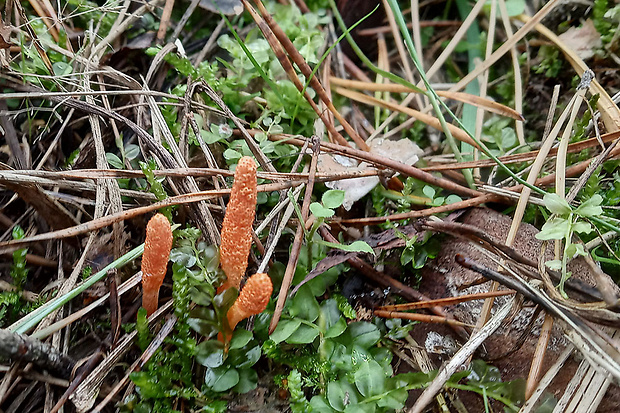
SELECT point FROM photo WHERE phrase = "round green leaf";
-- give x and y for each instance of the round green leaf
(337, 395)
(333, 198)
(304, 305)
(248, 380)
(320, 211)
(364, 334)
(337, 329)
(240, 339)
(319, 405)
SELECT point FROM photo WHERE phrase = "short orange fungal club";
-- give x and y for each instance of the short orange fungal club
(237, 226)
(252, 300)
(155, 260)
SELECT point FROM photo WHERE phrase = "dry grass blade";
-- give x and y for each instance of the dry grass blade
(474, 100)
(422, 117)
(527, 156)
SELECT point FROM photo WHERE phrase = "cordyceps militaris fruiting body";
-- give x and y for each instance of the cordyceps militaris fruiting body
(237, 226)
(155, 260)
(252, 300)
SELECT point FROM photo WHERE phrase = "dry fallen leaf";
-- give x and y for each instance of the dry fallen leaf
(227, 7)
(583, 40)
(403, 150)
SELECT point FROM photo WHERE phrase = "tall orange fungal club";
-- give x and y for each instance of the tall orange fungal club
(237, 226)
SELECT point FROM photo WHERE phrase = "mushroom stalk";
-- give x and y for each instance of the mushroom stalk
(237, 226)
(155, 260)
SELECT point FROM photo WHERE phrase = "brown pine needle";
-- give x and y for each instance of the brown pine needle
(442, 302)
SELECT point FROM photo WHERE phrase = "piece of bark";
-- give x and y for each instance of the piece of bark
(18, 347)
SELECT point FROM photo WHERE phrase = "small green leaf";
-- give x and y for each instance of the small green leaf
(591, 207)
(333, 198)
(356, 246)
(132, 151)
(305, 334)
(370, 379)
(210, 353)
(429, 191)
(582, 227)
(556, 204)
(319, 405)
(555, 228)
(320, 211)
(240, 339)
(248, 380)
(304, 305)
(336, 329)
(284, 330)
(554, 264)
(221, 378)
(114, 161)
(340, 394)
(364, 334)
(361, 246)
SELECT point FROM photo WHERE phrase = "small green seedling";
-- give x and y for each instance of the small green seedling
(565, 222)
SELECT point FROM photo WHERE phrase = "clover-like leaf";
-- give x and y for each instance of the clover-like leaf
(591, 207)
(320, 211)
(556, 204)
(555, 228)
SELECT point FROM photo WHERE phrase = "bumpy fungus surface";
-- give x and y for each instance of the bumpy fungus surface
(155, 260)
(237, 226)
(252, 300)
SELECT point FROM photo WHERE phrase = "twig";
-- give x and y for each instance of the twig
(297, 241)
(460, 357)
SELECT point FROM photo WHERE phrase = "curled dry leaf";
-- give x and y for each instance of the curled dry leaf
(155, 260)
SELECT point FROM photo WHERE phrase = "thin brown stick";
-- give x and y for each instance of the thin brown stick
(424, 318)
(385, 162)
(298, 240)
(290, 71)
(164, 21)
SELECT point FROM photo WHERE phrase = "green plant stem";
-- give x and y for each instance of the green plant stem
(430, 92)
(478, 390)
(31, 320)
